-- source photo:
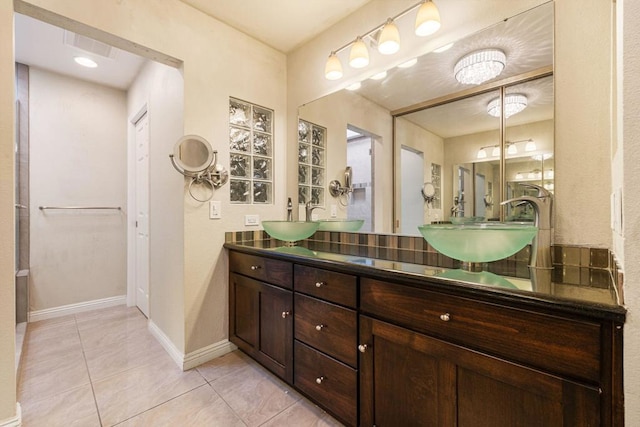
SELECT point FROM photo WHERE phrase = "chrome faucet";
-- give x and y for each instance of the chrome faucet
(542, 205)
(289, 210)
(309, 210)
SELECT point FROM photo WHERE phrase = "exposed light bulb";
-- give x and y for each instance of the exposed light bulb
(428, 19)
(389, 41)
(359, 56)
(333, 68)
(85, 62)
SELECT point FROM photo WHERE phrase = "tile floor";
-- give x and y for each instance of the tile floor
(104, 368)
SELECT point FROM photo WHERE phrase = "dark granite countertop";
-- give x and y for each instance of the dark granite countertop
(598, 299)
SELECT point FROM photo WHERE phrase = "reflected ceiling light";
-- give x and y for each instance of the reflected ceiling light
(85, 62)
(359, 56)
(333, 68)
(512, 149)
(409, 63)
(482, 154)
(549, 174)
(541, 157)
(389, 41)
(444, 48)
(354, 86)
(379, 76)
(496, 151)
(428, 19)
(480, 66)
(513, 104)
(530, 146)
(519, 175)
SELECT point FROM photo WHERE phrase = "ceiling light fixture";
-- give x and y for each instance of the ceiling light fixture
(482, 154)
(333, 69)
(85, 62)
(496, 151)
(428, 19)
(386, 36)
(530, 145)
(480, 66)
(359, 56)
(513, 104)
(512, 149)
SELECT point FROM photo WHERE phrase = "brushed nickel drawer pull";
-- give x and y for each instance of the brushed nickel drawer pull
(445, 317)
(319, 380)
(319, 327)
(319, 284)
(362, 348)
(255, 267)
(285, 314)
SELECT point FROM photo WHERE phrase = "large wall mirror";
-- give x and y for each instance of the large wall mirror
(450, 137)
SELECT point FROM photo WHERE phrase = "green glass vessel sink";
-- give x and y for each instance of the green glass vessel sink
(290, 231)
(334, 224)
(478, 242)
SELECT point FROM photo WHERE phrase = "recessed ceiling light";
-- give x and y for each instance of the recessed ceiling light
(409, 63)
(354, 86)
(379, 76)
(85, 62)
(443, 48)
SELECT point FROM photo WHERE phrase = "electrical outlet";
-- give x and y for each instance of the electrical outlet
(252, 219)
(215, 209)
(334, 211)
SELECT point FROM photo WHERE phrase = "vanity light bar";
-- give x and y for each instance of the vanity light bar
(427, 23)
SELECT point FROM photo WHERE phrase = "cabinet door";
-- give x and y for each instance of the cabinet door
(261, 323)
(411, 379)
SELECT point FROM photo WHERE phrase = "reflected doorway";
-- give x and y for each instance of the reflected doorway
(360, 151)
(411, 200)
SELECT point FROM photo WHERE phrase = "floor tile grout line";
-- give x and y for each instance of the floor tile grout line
(86, 364)
(226, 403)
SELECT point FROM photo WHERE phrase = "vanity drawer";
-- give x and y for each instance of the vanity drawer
(561, 345)
(327, 381)
(264, 269)
(331, 286)
(327, 327)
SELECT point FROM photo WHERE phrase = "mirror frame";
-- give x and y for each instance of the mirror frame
(193, 169)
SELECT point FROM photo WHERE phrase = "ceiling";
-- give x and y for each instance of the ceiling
(281, 24)
(42, 45)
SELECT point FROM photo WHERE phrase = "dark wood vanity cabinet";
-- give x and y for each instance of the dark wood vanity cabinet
(376, 352)
(260, 313)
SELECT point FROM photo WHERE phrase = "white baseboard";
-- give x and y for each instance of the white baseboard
(64, 310)
(15, 421)
(204, 354)
(195, 358)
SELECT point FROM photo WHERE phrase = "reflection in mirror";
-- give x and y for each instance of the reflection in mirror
(193, 153)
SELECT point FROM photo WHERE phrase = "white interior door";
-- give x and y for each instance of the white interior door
(412, 202)
(142, 214)
(479, 196)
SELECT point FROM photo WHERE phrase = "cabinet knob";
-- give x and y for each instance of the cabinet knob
(362, 348)
(319, 380)
(255, 267)
(319, 327)
(445, 317)
(319, 284)
(285, 314)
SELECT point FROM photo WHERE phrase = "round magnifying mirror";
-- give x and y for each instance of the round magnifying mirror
(193, 153)
(428, 190)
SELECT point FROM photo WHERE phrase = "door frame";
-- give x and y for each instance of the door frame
(131, 203)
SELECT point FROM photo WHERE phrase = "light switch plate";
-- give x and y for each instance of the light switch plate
(215, 209)
(334, 211)
(252, 219)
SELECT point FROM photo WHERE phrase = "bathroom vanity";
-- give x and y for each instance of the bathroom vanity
(384, 343)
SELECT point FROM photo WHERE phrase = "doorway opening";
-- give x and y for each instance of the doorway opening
(360, 156)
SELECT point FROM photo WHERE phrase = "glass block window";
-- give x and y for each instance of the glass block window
(436, 180)
(250, 153)
(312, 142)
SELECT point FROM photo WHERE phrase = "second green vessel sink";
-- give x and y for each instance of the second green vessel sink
(334, 224)
(478, 242)
(290, 231)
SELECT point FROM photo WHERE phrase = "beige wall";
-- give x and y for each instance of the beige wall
(629, 144)
(7, 244)
(161, 89)
(78, 157)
